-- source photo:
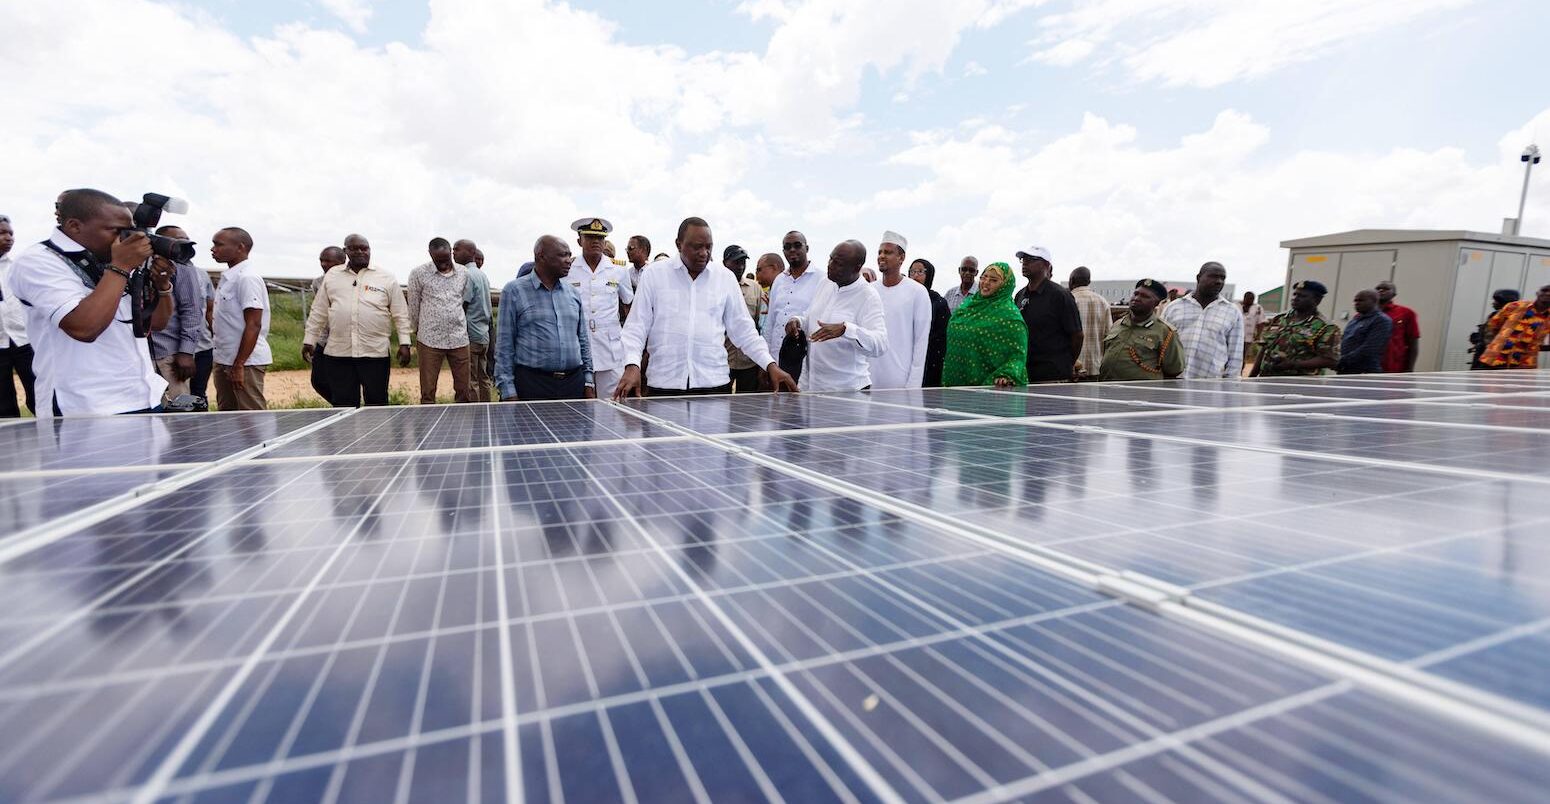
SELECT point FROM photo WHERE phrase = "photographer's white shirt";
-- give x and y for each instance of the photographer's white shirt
(112, 374)
(241, 289)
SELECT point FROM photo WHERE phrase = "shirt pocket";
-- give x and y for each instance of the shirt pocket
(673, 314)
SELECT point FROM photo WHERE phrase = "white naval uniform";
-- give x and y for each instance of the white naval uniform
(601, 292)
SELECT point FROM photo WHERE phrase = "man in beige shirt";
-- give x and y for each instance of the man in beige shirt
(356, 310)
(1096, 320)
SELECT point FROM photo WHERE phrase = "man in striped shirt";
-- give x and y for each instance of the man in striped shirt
(1210, 327)
(1096, 320)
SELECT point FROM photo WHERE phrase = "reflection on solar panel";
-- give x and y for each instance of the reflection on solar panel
(1320, 589)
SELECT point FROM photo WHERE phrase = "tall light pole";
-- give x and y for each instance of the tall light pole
(1530, 158)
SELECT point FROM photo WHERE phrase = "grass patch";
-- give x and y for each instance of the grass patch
(287, 327)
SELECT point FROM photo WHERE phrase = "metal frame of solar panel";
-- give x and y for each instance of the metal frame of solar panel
(1332, 588)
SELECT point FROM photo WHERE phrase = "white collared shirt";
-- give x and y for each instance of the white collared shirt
(907, 310)
(1211, 336)
(686, 323)
(601, 292)
(844, 364)
(241, 289)
(788, 297)
(13, 314)
(112, 374)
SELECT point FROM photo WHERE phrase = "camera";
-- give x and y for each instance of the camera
(147, 215)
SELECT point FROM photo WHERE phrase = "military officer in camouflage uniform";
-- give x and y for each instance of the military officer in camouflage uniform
(1300, 342)
(1142, 346)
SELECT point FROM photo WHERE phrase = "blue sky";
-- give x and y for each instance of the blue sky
(1135, 136)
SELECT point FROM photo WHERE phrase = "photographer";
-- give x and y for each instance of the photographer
(79, 315)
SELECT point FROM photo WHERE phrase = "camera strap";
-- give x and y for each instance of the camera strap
(90, 271)
(82, 262)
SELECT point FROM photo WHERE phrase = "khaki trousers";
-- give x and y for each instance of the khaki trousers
(175, 386)
(430, 372)
(482, 389)
(251, 397)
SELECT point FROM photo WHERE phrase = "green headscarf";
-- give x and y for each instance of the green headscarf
(986, 338)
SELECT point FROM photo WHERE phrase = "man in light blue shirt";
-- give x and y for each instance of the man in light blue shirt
(476, 309)
(541, 348)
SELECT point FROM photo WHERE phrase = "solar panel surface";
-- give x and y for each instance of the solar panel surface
(1320, 589)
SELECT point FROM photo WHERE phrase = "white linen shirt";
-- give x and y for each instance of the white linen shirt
(907, 311)
(13, 314)
(789, 297)
(241, 289)
(1212, 337)
(686, 323)
(112, 374)
(843, 364)
(601, 292)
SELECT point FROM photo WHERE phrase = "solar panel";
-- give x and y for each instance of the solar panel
(1306, 589)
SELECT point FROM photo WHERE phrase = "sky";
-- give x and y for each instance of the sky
(1136, 137)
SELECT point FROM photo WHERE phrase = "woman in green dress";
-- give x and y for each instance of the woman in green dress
(987, 341)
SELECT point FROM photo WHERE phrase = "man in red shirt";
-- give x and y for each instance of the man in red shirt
(1404, 343)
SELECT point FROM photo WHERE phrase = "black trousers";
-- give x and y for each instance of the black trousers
(18, 360)
(533, 384)
(720, 389)
(320, 375)
(204, 363)
(351, 379)
(745, 381)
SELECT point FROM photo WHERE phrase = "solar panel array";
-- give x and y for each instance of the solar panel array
(1295, 589)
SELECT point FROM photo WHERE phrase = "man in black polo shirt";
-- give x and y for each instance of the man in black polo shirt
(1054, 325)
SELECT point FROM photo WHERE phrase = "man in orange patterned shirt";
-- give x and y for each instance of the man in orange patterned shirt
(1516, 333)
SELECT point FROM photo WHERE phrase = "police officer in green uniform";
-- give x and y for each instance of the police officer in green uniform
(1301, 341)
(1142, 346)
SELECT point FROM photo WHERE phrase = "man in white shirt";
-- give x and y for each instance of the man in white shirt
(685, 314)
(637, 250)
(16, 356)
(792, 290)
(1210, 327)
(844, 324)
(241, 324)
(606, 293)
(907, 310)
(87, 358)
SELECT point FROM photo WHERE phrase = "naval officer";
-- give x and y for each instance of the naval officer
(606, 293)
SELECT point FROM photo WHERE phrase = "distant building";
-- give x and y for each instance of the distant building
(1446, 276)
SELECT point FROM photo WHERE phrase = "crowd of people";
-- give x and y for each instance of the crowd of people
(97, 323)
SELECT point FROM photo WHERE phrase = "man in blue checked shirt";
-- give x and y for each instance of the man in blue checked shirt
(541, 345)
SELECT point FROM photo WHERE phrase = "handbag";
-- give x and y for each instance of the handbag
(793, 354)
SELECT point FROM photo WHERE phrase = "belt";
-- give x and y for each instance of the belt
(558, 375)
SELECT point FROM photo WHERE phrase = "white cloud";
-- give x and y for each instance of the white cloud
(494, 127)
(1207, 43)
(973, 69)
(353, 13)
(1066, 53)
(1098, 197)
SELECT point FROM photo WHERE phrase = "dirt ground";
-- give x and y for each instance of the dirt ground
(285, 389)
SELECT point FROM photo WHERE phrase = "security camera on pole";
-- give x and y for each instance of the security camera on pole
(1530, 158)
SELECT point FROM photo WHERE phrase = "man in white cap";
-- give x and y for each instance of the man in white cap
(606, 293)
(907, 315)
(1054, 323)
